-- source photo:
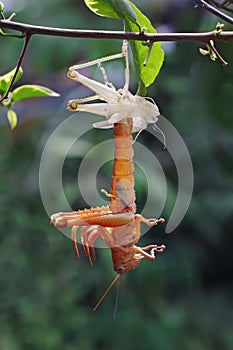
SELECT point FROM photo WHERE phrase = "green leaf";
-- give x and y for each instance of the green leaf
(112, 8)
(1, 7)
(12, 118)
(149, 73)
(29, 91)
(134, 19)
(6, 79)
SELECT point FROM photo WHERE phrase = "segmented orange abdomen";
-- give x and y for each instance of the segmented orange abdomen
(122, 187)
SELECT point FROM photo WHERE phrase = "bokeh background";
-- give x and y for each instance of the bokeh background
(184, 299)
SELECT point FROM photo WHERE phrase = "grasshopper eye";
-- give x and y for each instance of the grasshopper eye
(121, 269)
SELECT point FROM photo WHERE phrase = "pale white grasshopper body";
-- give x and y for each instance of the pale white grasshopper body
(119, 104)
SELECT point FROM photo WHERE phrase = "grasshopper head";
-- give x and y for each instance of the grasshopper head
(124, 259)
(125, 267)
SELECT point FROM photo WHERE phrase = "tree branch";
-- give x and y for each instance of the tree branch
(224, 5)
(204, 37)
(214, 11)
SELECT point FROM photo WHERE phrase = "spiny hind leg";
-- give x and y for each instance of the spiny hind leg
(123, 53)
(65, 219)
(78, 218)
(73, 105)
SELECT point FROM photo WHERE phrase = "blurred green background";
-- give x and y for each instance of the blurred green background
(184, 299)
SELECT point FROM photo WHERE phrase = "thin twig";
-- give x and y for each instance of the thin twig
(11, 16)
(203, 37)
(20, 60)
(215, 11)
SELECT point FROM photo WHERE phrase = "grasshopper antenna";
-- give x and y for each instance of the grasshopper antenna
(117, 298)
(106, 292)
